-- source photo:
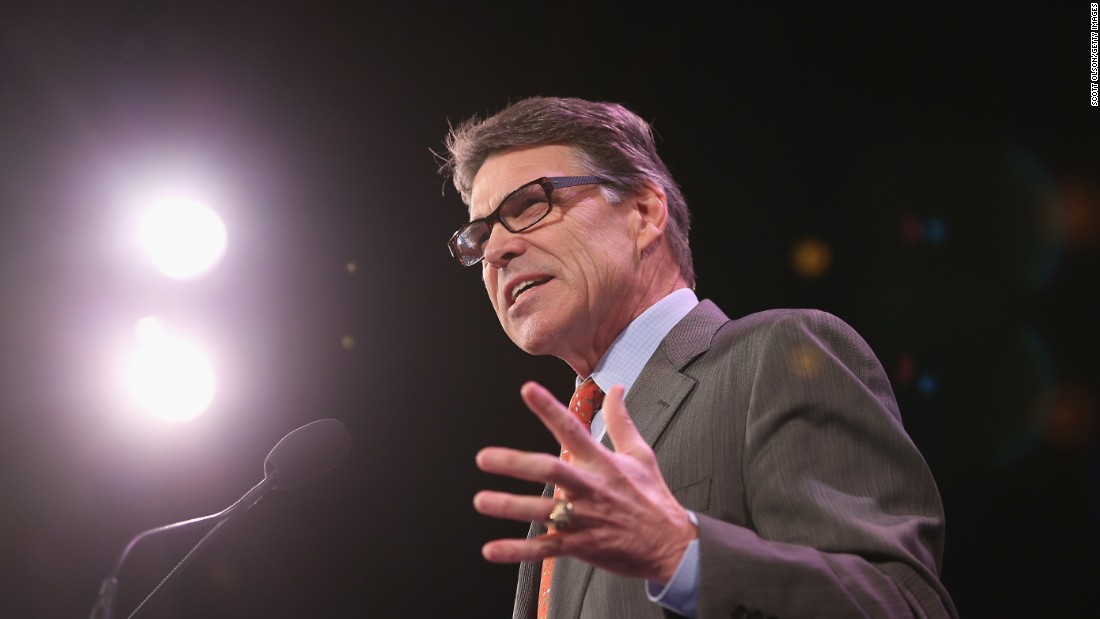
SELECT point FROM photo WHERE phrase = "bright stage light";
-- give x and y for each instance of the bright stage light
(185, 238)
(168, 376)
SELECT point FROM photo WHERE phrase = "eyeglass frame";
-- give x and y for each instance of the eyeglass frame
(548, 184)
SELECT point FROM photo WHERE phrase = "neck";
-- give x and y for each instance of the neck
(584, 361)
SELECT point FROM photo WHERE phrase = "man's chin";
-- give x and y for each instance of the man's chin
(535, 337)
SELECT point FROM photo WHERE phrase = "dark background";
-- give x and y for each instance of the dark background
(945, 157)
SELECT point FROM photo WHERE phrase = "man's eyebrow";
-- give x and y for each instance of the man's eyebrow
(472, 218)
(493, 204)
(472, 208)
(496, 201)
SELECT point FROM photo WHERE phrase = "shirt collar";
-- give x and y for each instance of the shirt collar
(628, 354)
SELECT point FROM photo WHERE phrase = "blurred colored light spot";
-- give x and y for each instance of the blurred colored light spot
(1072, 420)
(935, 231)
(928, 384)
(811, 258)
(1079, 209)
(806, 362)
(909, 229)
(906, 367)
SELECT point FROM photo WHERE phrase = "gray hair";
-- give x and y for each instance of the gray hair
(614, 143)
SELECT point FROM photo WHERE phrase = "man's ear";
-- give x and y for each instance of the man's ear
(651, 207)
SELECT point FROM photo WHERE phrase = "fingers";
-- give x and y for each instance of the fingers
(620, 427)
(534, 549)
(513, 507)
(526, 465)
(621, 512)
(524, 509)
(571, 434)
(531, 466)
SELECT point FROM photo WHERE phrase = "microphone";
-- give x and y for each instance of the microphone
(299, 458)
(307, 453)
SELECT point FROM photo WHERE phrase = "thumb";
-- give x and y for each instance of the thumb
(620, 427)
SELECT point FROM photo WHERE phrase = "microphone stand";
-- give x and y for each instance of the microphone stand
(104, 605)
(299, 458)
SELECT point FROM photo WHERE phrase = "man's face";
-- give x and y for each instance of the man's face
(565, 287)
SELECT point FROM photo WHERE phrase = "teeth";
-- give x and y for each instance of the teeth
(523, 286)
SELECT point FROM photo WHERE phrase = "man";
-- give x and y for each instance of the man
(756, 467)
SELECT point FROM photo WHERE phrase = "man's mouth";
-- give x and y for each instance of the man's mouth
(525, 285)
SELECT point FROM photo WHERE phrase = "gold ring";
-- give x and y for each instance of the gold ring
(561, 517)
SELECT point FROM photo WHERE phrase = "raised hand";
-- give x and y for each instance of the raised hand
(623, 519)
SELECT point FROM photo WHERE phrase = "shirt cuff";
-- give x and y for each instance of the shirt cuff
(681, 594)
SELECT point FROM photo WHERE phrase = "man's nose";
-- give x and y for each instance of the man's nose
(502, 246)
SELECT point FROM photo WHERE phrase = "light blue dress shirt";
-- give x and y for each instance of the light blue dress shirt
(621, 365)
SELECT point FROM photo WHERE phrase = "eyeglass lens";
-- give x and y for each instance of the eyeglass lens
(519, 211)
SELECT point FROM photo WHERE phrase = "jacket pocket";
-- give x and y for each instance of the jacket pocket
(694, 496)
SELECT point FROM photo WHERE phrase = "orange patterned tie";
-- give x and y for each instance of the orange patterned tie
(586, 401)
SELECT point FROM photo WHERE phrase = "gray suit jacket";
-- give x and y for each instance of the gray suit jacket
(780, 430)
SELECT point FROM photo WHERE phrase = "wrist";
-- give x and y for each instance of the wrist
(686, 532)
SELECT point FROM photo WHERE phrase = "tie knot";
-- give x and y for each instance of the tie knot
(587, 399)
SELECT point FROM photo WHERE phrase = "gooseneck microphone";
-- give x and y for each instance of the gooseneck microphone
(299, 458)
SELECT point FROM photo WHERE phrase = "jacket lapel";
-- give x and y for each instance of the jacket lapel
(661, 387)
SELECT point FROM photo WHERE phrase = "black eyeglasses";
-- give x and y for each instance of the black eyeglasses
(517, 212)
